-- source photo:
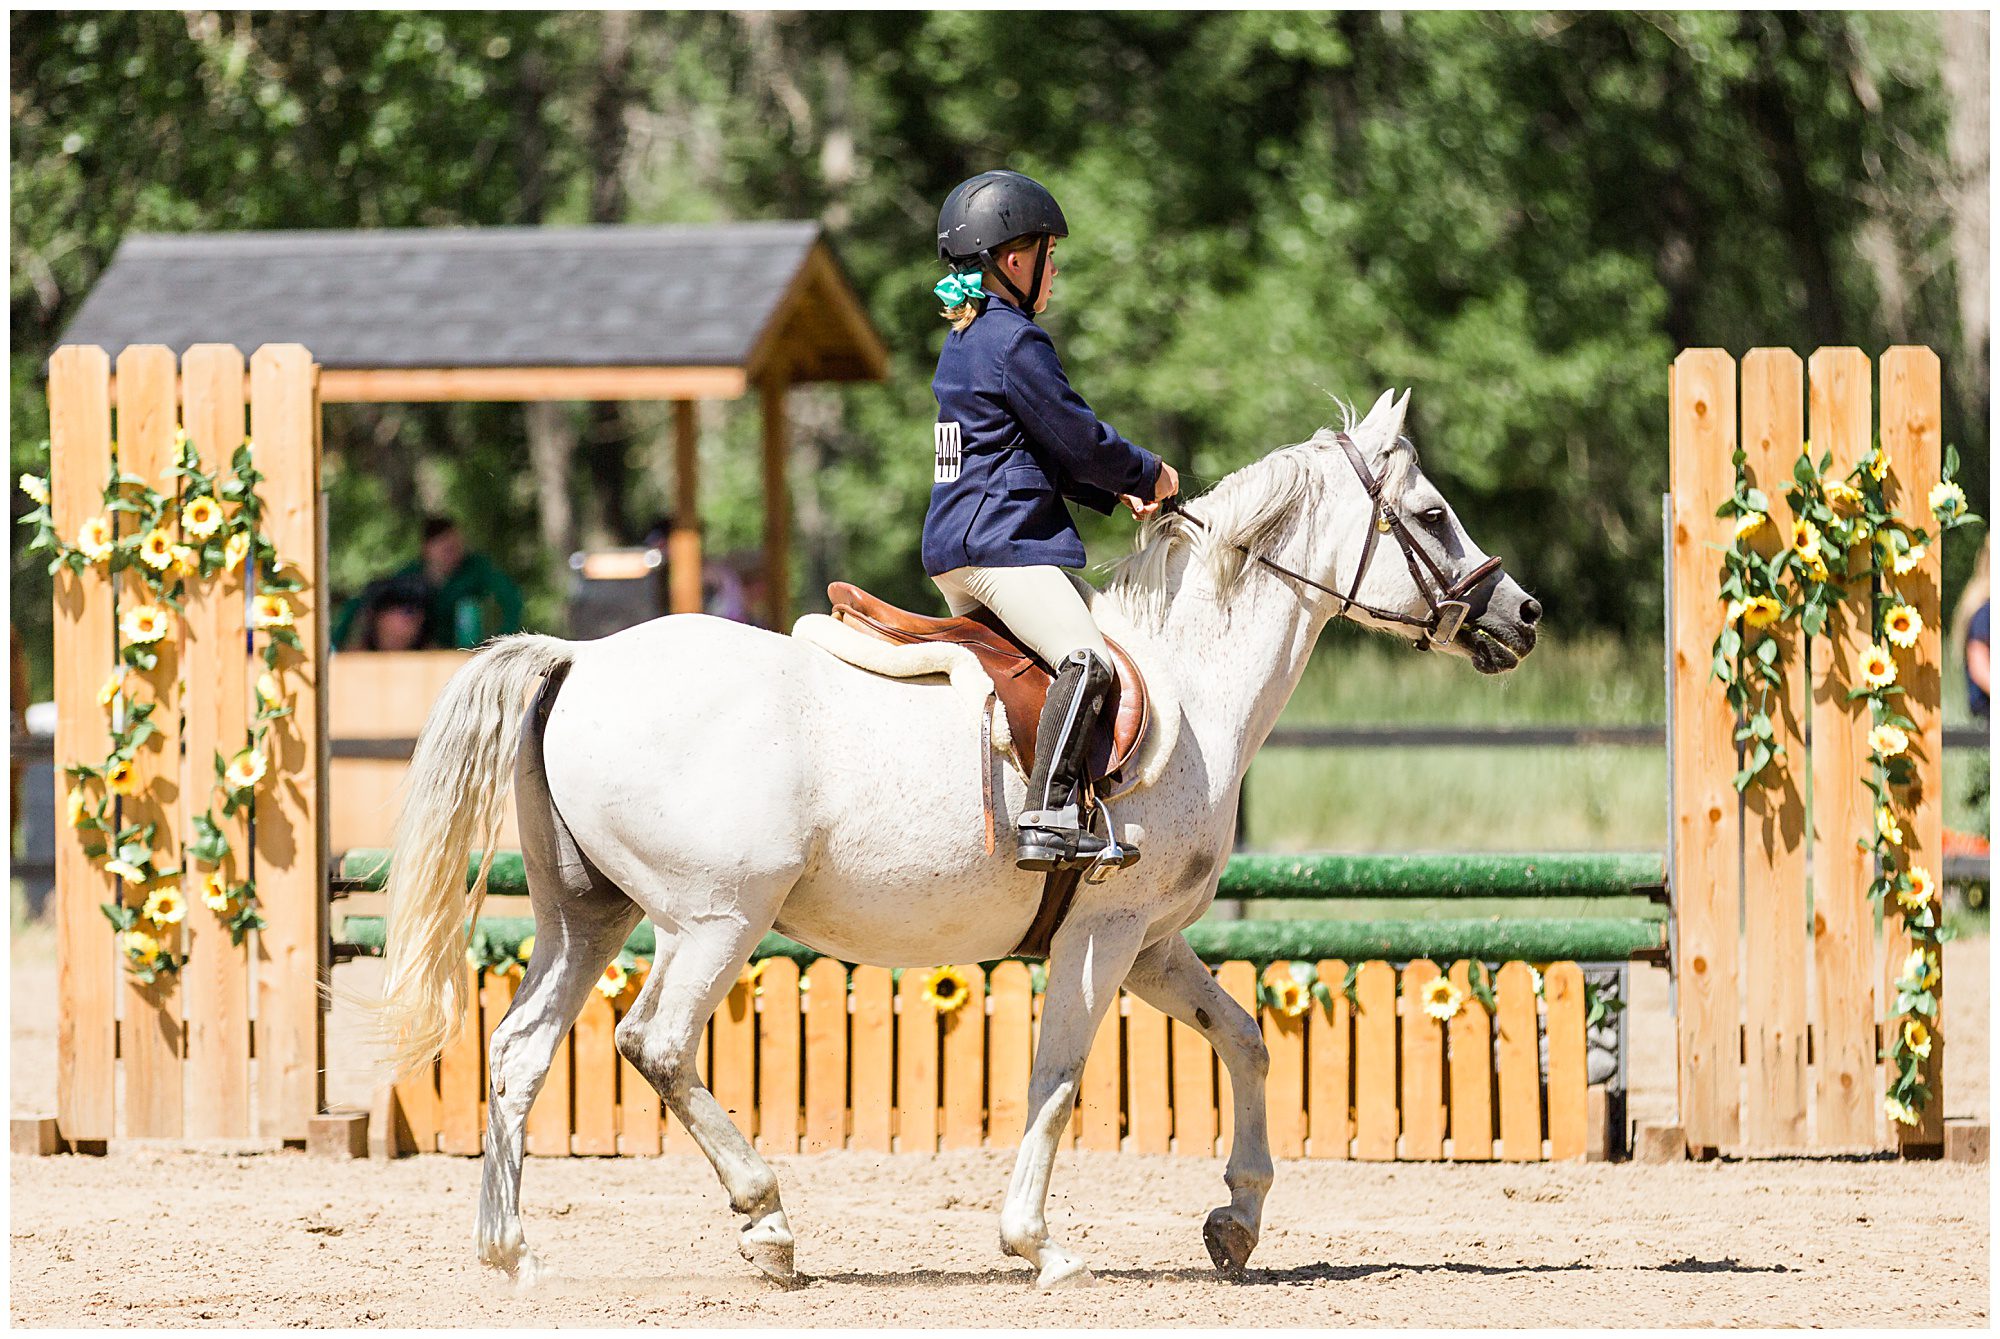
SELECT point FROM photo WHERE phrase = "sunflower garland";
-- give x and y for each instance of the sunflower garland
(220, 519)
(1845, 534)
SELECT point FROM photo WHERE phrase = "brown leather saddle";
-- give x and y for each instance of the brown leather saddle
(1020, 678)
(1021, 682)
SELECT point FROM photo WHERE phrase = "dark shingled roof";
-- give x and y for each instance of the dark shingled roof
(682, 296)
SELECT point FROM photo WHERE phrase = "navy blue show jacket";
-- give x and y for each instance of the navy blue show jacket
(1027, 441)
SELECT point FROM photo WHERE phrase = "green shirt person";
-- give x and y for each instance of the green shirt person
(471, 599)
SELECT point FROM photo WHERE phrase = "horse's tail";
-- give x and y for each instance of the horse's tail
(458, 781)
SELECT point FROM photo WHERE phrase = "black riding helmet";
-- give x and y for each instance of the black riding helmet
(984, 213)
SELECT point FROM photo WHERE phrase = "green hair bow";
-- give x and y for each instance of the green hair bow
(957, 289)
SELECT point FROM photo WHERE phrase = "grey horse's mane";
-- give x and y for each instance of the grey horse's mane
(1248, 509)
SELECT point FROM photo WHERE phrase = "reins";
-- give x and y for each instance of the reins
(1447, 599)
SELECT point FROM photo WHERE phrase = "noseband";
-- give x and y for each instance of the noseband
(1449, 600)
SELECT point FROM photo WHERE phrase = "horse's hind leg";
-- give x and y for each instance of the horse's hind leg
(659, 1036)
(581, 921)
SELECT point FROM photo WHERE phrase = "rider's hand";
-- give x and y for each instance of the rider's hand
(1165, 485)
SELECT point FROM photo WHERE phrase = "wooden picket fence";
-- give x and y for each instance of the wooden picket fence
(232, 1045)
(1783, 979)
(834, 1059)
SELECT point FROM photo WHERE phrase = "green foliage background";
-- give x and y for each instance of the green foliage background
(1521, 215)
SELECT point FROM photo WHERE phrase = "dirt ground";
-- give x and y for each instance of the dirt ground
(154, 1237)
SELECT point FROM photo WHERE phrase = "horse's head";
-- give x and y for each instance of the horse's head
(1420, 572)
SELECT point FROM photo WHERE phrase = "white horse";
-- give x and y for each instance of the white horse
(723, 781)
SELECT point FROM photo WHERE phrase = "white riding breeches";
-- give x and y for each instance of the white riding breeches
(1040, 605)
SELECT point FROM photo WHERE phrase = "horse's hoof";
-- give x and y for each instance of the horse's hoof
(1060, 1270)
(773, 1258)
(1229, 1242)
(528, 1273)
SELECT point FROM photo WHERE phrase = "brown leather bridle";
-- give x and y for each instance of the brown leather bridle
(1449, 600)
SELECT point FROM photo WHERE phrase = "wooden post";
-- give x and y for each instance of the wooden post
(1850, 1108)
(154, 1031)
(777, 508)
(684, 544)
(86, 956)
(291, 849)
(1705, 838)
(217, 985)
(1774, 886)
(1911, 434)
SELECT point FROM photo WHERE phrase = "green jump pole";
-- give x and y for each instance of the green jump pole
(1584, 874)
(1495, 939)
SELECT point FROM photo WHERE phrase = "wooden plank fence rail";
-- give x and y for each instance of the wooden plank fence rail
(1423, 1088)
(1784, 980)
(231, 1045)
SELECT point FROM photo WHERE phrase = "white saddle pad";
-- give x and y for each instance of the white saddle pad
(917, 660)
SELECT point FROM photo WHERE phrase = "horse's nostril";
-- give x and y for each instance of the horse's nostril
(1531, 611)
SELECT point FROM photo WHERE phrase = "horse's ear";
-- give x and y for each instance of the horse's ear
(1377, 416)
(1392, 418)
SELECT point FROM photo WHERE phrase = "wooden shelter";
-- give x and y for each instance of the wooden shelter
(682, 313)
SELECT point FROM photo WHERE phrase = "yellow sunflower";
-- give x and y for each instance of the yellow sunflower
(156, 550)
(1441, 999)
(1886, 824)
(36, 488)
(233, 550)
(145, 624)
(947, 989)
(125, 870)
(120, 776)
(1899, 1111)
(268, 690)
(1902, 625)
(214, 892)
(1878, 464)
(202, 517)
(1749, 523)
(1761, 611)
(113, 686)
(1917, 1037)
(77, 805)
(1878, 667)
(272, 611)
(1887, 741)
(1288, 997)
(1947, 500)
(245, 770)
(1844, 498)
(1805, 538)
(1923, 887)
(1815, 565)
(1906, 562)
(139, 945)
(187, 561)
(95, 539)
(1918, 971)
(164, 906)
(612, 983)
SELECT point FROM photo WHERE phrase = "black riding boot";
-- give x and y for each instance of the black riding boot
(1053, 832)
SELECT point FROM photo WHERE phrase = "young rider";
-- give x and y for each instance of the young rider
(1012, 441)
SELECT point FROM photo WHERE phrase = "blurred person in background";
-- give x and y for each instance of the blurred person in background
(471, 599)
(392, 614)
(1971, 628)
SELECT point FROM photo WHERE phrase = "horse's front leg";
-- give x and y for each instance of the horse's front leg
(1086, 963)
(1173, 980)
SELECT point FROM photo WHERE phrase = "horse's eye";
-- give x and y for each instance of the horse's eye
(1434, 516)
